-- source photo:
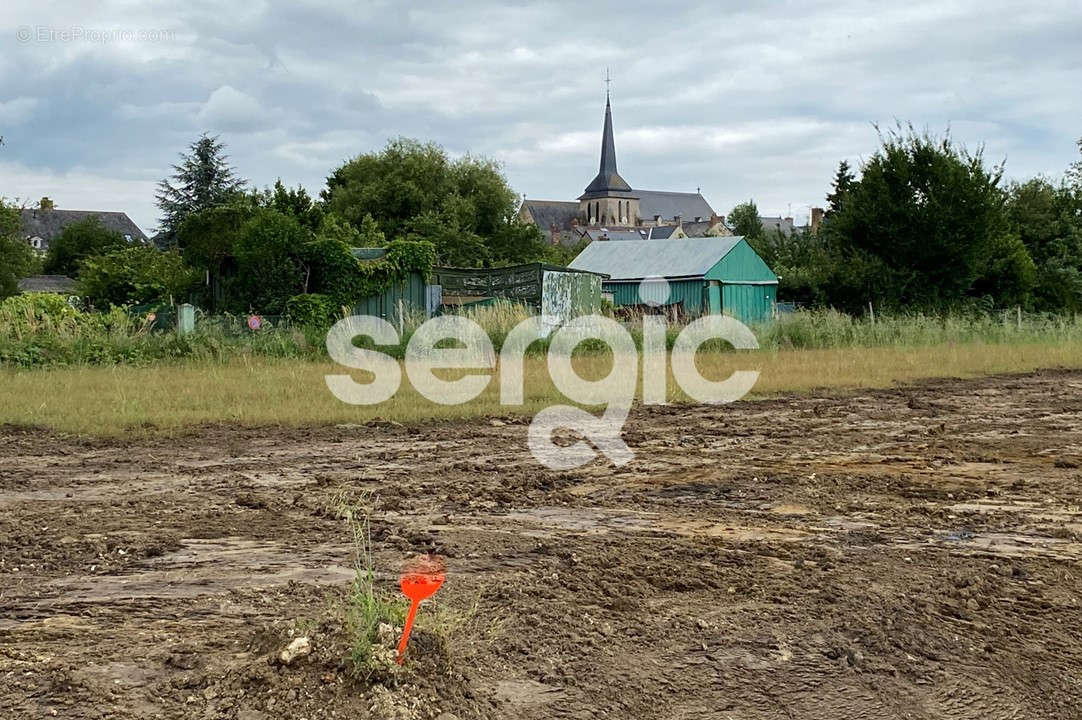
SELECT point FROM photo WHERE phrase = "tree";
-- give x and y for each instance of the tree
(135, 275)
(919, 227)
(843, 183)
(296, 203)
(203, 180)
(269, 266)
(1047, 219)
(803, 263)
(410, 189)
(745, 221)
(77, 241)
(17, 259)
(1074, 172)
(208, 238)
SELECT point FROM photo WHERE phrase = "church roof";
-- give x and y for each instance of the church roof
(670, 204)
(608, 180)
(546, 213)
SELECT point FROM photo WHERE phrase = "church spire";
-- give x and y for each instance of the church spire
(608, 179)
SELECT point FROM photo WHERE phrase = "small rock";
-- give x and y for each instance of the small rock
(447, 716)
(495, 423)
(388, 635)
(300, 647)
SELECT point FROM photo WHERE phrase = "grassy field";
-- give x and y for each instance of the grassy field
(261, 390)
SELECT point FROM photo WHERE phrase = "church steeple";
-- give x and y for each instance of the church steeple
(608, 179)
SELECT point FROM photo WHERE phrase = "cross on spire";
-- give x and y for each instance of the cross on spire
(608, 80)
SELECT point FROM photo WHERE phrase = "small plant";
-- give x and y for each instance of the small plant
(372, 617)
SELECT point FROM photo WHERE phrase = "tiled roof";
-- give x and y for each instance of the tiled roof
(546, 213)
(47, 224)
(670, 204)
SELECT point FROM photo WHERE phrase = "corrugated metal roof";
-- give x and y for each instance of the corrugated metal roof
(368, 253)
(670, 204)
(47, 283)
(687, 257)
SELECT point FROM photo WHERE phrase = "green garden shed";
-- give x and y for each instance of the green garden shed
(707, 275)
(411, 297)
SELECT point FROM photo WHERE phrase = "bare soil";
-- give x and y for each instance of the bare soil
(902, 553)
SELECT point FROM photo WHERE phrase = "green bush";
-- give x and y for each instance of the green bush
(137, 274)
(311, 310)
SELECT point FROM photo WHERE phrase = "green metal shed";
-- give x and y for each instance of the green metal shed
(703, 275)
(397, 301)
(552, 290)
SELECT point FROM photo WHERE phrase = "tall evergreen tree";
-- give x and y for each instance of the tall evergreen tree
(203, 180)
(843, 183)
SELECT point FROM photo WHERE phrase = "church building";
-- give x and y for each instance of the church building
(610, 208)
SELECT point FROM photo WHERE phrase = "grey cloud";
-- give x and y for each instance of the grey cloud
(744, 101)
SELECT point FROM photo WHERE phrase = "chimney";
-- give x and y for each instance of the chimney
(657, 219)
(816, 218)
(679, 221)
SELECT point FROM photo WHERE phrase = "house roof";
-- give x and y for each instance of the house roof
(546, 213)
(603, 234)
(608, 180)
(685, 257)
(47, 224)
(662, 232)
(699, 229)
(670, 204)
(785, 225)
(47, 283)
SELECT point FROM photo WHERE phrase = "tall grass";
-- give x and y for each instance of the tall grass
(829, 329)
(44, 332)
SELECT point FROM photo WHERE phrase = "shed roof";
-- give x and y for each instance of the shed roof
(686, 257)
(47, 284)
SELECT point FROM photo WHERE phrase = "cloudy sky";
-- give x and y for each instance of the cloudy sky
(97, 97)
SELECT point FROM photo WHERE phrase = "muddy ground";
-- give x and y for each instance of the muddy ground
(904, 553)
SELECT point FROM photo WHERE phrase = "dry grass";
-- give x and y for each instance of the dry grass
(267, 391)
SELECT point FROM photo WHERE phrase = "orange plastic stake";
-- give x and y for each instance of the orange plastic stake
(420, 580)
